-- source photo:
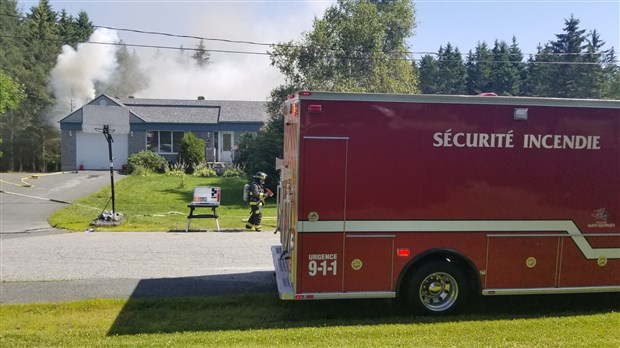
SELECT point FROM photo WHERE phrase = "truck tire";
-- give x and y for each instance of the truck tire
(436, 288)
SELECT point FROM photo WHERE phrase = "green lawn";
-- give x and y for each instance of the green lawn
(262, 320)
(159, 203)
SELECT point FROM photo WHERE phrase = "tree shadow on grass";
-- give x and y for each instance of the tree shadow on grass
(250, 301)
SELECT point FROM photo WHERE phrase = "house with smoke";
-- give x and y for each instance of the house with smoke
(156, 125)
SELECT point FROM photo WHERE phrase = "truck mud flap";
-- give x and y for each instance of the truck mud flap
(283, 274)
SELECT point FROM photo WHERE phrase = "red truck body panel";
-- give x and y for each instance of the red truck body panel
(525, 190)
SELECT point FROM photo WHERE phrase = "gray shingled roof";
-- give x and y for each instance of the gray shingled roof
(196, 111)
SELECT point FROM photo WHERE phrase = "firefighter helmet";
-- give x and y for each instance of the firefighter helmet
(260, 175)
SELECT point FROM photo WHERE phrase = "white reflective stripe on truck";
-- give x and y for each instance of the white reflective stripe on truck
(565, 227)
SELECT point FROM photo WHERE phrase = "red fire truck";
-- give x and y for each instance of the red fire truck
(436, 198)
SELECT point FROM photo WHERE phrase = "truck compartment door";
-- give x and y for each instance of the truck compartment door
(368, 262)
(519, 262)
(322, 176)
(322, 187)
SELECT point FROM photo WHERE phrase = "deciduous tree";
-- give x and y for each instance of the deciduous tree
(358, 45)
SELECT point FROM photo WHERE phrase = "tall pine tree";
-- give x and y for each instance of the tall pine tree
(505, 78)
(128, 78)
(479, 70)
(43, 46)
(565, 79)
(201, 55)
(451, 73)
(428, 74)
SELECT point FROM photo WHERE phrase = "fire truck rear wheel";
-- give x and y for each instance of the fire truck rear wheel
(436, 288)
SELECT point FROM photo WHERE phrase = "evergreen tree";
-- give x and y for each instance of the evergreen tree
(83, 28)
(572, 66)
(25, 128)
(611, 71)
(201, 55)
(591, 73)
(66, 28)
(516, 58)
(180, 58)
(565, 79)
(479, 70)
(12, 51)
(127, 78)
(43, 38)
(74, 30)
(451, 73)
(12, 48)
(428, 75)
(505, 77)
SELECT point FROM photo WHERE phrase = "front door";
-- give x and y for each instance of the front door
(226, 146)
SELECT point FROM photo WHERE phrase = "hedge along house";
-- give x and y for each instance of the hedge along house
(158, 125)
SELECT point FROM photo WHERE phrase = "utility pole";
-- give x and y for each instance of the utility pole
(108, 137)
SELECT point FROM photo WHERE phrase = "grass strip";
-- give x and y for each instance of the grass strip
(261, 320)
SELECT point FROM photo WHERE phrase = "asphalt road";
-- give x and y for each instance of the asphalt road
(41, 264)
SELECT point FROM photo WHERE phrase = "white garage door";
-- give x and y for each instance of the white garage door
(92, 151)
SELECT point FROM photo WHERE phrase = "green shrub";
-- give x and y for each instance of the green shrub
(141, 171)
(204, 171)
(234, 172)
(177, 169)
(192, 151)
(147, 160)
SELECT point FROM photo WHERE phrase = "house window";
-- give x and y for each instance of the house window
(168, 142)
(227, 141)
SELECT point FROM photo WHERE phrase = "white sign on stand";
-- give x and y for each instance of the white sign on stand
(206, 195)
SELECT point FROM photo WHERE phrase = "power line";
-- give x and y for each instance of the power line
(183, 36)
(328, 57)
(336, 56)
(142, 46)
(175, 48)
(298, 46)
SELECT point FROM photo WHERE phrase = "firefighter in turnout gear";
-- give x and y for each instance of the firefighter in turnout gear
(257, 195)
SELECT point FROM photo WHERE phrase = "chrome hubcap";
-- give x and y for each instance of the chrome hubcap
(438, 291)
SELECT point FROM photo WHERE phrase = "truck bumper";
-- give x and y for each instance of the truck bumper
(283, 274)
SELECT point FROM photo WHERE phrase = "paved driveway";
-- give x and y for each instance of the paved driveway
(41, 264)
(24, 210)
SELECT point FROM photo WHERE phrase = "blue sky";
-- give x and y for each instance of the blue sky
(462, 23)
(465, 22)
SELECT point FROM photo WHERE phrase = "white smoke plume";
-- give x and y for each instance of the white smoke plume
(76, 72)
(174, 77)
(170, 75)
